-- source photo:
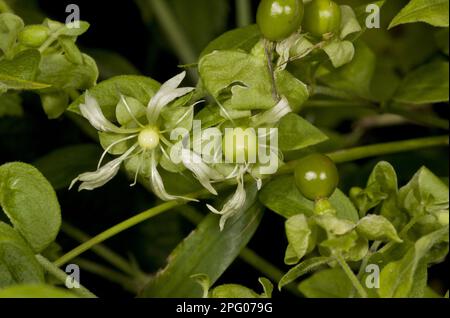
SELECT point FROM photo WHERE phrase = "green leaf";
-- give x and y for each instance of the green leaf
(35, 291)
(245, 76)
(54, 103)
(397, 278)
(239, 291)
(381, 186)
(233, 291)
(434, 12)
(340, 52)
(107, 93)
(298, 233)
(356, 76)
(267, 287)
(30, 203)
(377, 228)
(425, 193)
(56, 70)
(241, 38)
(204, 282)
(17, 262)
(295, 133)
(349, 22)
(303, 268)
(204, 252)
(333, 225)
(328, 283)
(123, 116)
(69, 29)
(281, 196)
(427, 84)
(20, 72)
(10, 26)
(63, 165)
(71, 51)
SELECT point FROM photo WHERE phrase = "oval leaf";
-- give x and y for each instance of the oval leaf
(30, 202)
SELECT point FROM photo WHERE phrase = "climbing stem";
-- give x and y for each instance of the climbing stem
(351, 276)
(62, 277)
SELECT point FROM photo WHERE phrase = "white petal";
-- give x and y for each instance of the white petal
(96, 179)
(274, 114)
(93, 113)
(233, 205)
(167, 93)
(157, 184)
(201, 170)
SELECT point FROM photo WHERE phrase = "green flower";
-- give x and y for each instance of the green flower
(141, 138)
(240, 167)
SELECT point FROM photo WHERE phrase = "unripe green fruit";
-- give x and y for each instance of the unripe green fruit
(316, 176)
(278, 19)
(240, 145)
(322, 17)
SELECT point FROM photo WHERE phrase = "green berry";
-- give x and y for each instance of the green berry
(322, 17)
(278, 19)
(240, 145)
(316, 176)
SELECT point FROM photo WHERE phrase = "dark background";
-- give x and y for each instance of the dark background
(119, 27)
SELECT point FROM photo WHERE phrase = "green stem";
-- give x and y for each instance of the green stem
(115, 230)
(358, 153)
(243, 13)
(268, 50)
(62, 276)
(125, 281)
(101, 250)
(402, 234)
(364, 263)
(176, 36)
(328, 103)
(422, 118)
(354, 280)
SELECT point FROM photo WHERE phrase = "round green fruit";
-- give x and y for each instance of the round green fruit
(322, 17)
(316, 176)
(278, 19)
(240, 145)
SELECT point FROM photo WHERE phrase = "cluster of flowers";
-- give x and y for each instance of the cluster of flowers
(142, 140)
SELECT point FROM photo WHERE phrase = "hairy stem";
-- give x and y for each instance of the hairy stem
(62, 276)
(354, 280)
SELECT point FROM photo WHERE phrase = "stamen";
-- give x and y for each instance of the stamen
(127, 107)
(111, 146)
